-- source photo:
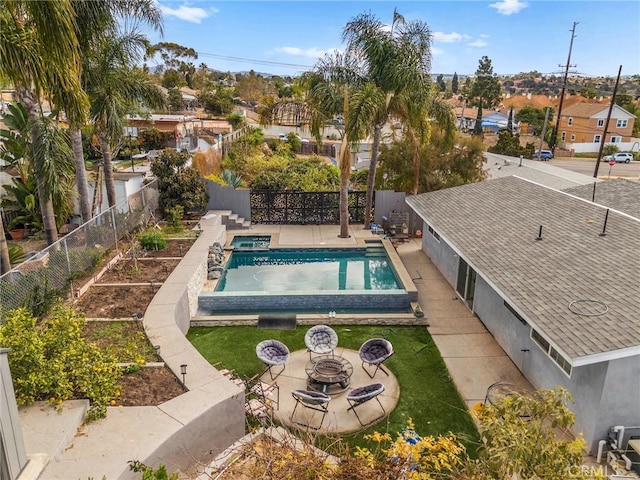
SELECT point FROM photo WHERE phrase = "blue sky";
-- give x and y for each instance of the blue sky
(287, 37)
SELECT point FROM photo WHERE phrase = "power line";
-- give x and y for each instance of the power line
(253, 60)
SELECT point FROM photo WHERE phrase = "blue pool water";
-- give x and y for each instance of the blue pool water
(251, 241)
(309, 270)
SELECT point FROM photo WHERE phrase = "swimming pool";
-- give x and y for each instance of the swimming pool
(288, 270)
(308, 279)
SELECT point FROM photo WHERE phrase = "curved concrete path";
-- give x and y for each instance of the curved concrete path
(338, 420)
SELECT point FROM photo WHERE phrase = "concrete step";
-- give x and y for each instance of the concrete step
(48, 431)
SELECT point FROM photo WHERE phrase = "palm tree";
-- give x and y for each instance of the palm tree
(40, 53)
(397, 60)
(115, 86)
(418, 110)
(335, 92)
(95, 21)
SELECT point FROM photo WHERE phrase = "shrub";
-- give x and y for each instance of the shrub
(152, 240)
(49, 360)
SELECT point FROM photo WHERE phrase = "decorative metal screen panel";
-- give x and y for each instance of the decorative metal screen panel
(320, 208)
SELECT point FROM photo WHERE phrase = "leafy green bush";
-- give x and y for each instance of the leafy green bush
(152, 240)
(49, 360)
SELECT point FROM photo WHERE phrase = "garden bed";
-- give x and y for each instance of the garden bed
(141, 271)
(150, 386)
(116, 302)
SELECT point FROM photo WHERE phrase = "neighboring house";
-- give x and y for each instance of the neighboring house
(497, 121)
(126, 185)
(560, 298)
(581, 127)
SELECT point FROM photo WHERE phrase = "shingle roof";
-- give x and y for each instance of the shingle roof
(493, 225)
(620, 194)
(584, 109)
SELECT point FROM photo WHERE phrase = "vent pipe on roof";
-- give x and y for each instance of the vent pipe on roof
(593, 195)
(604, 227)
(539, 237)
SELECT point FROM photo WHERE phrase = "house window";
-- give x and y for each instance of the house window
(601, 122)
(562, 362)
(616, 139)
(563, 136)
(621, 124)
(542, 343)
(596, 139)
(570, 121)
(573, 137)
(434, 233)
(514, 313)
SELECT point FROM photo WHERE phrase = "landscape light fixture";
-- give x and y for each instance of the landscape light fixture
(183, 371)
(136, 318)
(157, 349)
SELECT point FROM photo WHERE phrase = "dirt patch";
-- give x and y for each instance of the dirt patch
(149, 386)
(141, 271)
(115, 302)
(175, 248)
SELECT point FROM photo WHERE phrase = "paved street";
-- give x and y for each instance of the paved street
(586, 166)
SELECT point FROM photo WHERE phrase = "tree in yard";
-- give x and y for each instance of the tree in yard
(216, 100)
(510, 120)
(174, 100)
(178, 184)
(178, 70)
(454, 83)
(40, 53)
(251, 87)
(441, 83)
(534, 117)
(485, 90)
(115, 87)
(335, 91)
(396, 61)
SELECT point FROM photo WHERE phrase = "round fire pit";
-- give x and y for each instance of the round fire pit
(328, 374)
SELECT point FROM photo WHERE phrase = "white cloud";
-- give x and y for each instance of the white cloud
(436, 51)
(312, 52)
(478, 43)
(508, 7)
(449, 37)
(187, 13)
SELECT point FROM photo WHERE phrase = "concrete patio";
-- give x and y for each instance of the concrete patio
(338, 420)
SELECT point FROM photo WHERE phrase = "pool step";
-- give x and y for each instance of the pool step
(233, 221)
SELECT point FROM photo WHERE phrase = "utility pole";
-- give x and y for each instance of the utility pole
(544, 130)
(554, 133)
(606, 124)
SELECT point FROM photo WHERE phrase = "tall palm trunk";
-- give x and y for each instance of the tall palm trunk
(5, 264)
(416, 160)
(28, 99)
(81, 174)
(108, 169)
(371, 177)
(345, 171)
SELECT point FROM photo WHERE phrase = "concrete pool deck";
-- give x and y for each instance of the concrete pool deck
(473, 357)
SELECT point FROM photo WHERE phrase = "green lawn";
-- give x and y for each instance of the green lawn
(427, 394)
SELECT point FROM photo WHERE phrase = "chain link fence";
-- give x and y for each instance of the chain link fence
(50, 273)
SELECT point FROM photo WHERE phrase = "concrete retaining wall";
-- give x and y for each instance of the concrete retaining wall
(210, 416)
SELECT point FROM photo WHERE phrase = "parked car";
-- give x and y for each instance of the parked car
(283, 136)
(543, 155)
(620, 157)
